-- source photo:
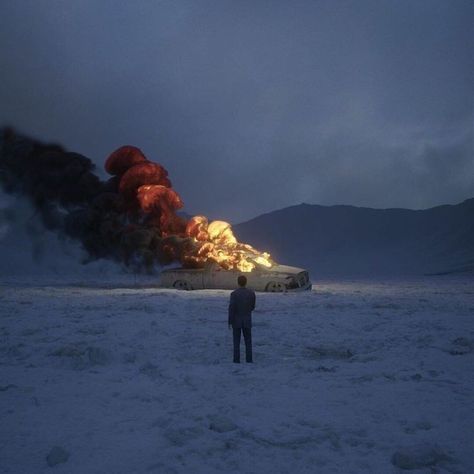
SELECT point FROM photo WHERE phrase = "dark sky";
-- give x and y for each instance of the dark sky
(254, 105)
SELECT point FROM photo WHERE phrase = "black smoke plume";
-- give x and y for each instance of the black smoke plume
(70, 199)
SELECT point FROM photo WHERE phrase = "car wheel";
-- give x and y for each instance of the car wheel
(182, 285)
(275, 287)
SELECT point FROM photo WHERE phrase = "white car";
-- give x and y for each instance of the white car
(278, 278)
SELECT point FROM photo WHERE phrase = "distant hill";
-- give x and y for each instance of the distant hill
(357, 241)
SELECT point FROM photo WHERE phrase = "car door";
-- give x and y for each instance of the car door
(207, 280)
(197, 279)
(218, 277)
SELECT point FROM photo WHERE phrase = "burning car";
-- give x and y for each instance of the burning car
(277, 278)
(134, 217)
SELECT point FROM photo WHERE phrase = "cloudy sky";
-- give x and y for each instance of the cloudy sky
(254, 105)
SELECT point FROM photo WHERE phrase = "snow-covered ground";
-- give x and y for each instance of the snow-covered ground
(352, 377)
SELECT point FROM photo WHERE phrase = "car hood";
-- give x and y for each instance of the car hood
(283, 269)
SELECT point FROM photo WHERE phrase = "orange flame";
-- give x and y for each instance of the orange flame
(146, 187)
(216, 242)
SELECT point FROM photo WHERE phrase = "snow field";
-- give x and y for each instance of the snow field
(352, 377)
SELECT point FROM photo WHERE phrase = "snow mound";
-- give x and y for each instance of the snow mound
(419, 456)
(57, 455)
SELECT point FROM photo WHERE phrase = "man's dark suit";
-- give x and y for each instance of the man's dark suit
(241, 305)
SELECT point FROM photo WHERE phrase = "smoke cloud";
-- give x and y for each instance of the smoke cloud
(131, 218)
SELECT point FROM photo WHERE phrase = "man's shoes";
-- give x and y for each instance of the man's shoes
(236, 361)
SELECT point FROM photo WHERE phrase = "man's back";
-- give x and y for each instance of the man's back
(242, 303)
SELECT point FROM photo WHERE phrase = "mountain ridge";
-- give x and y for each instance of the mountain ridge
(358, 241)
(468, 201)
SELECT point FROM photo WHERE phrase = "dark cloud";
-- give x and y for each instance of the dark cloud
(254, 105)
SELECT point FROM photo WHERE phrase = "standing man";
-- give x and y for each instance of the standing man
(242, 303)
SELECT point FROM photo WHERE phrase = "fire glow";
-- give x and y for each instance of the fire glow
(148, 196)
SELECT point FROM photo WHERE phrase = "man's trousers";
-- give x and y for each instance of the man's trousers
(248, 343)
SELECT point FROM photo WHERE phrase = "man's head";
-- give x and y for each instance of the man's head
(242, 281)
